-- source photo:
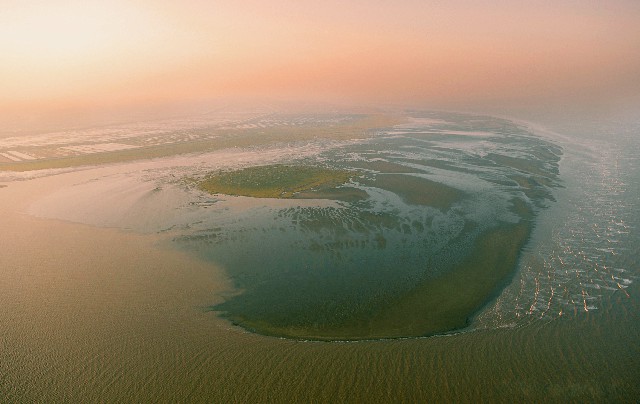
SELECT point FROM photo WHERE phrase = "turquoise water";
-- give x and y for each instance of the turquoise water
(435, 188)
(585, 249)
(562, 328)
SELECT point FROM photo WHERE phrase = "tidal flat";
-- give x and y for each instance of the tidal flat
(419, 253)
(121, 278)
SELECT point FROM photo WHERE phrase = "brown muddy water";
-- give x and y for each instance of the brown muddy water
(98, 304)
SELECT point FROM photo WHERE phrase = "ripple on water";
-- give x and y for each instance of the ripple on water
(432, 200)
(580, 252)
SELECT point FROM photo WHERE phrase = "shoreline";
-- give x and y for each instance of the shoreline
(391, 322)
(73, 208)
(21, 196)
(96, 314)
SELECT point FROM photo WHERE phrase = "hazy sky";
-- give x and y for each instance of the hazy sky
(72, 54)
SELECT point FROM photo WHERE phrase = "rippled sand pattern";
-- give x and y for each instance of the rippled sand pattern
(430, 199)
(91, 314)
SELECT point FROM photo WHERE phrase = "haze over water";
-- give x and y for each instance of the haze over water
(474, 257)
(563, 323)
(69, 63)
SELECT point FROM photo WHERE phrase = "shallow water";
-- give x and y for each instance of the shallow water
(564, 328)
(384, 266)
(585, 248)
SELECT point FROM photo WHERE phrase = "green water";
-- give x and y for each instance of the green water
(437, 235)
(106, 325)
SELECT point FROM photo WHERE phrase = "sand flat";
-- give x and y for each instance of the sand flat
(81, 302)
(97, 315)
(10, 157)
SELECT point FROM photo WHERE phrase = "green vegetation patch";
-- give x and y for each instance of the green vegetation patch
(275, 181)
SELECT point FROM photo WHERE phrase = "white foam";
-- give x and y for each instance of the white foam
(99, 147)
(21, 155)
(10, 157)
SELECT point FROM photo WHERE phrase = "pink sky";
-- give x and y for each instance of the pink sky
(94, 54)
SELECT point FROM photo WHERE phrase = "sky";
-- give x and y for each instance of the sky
(92, 55)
